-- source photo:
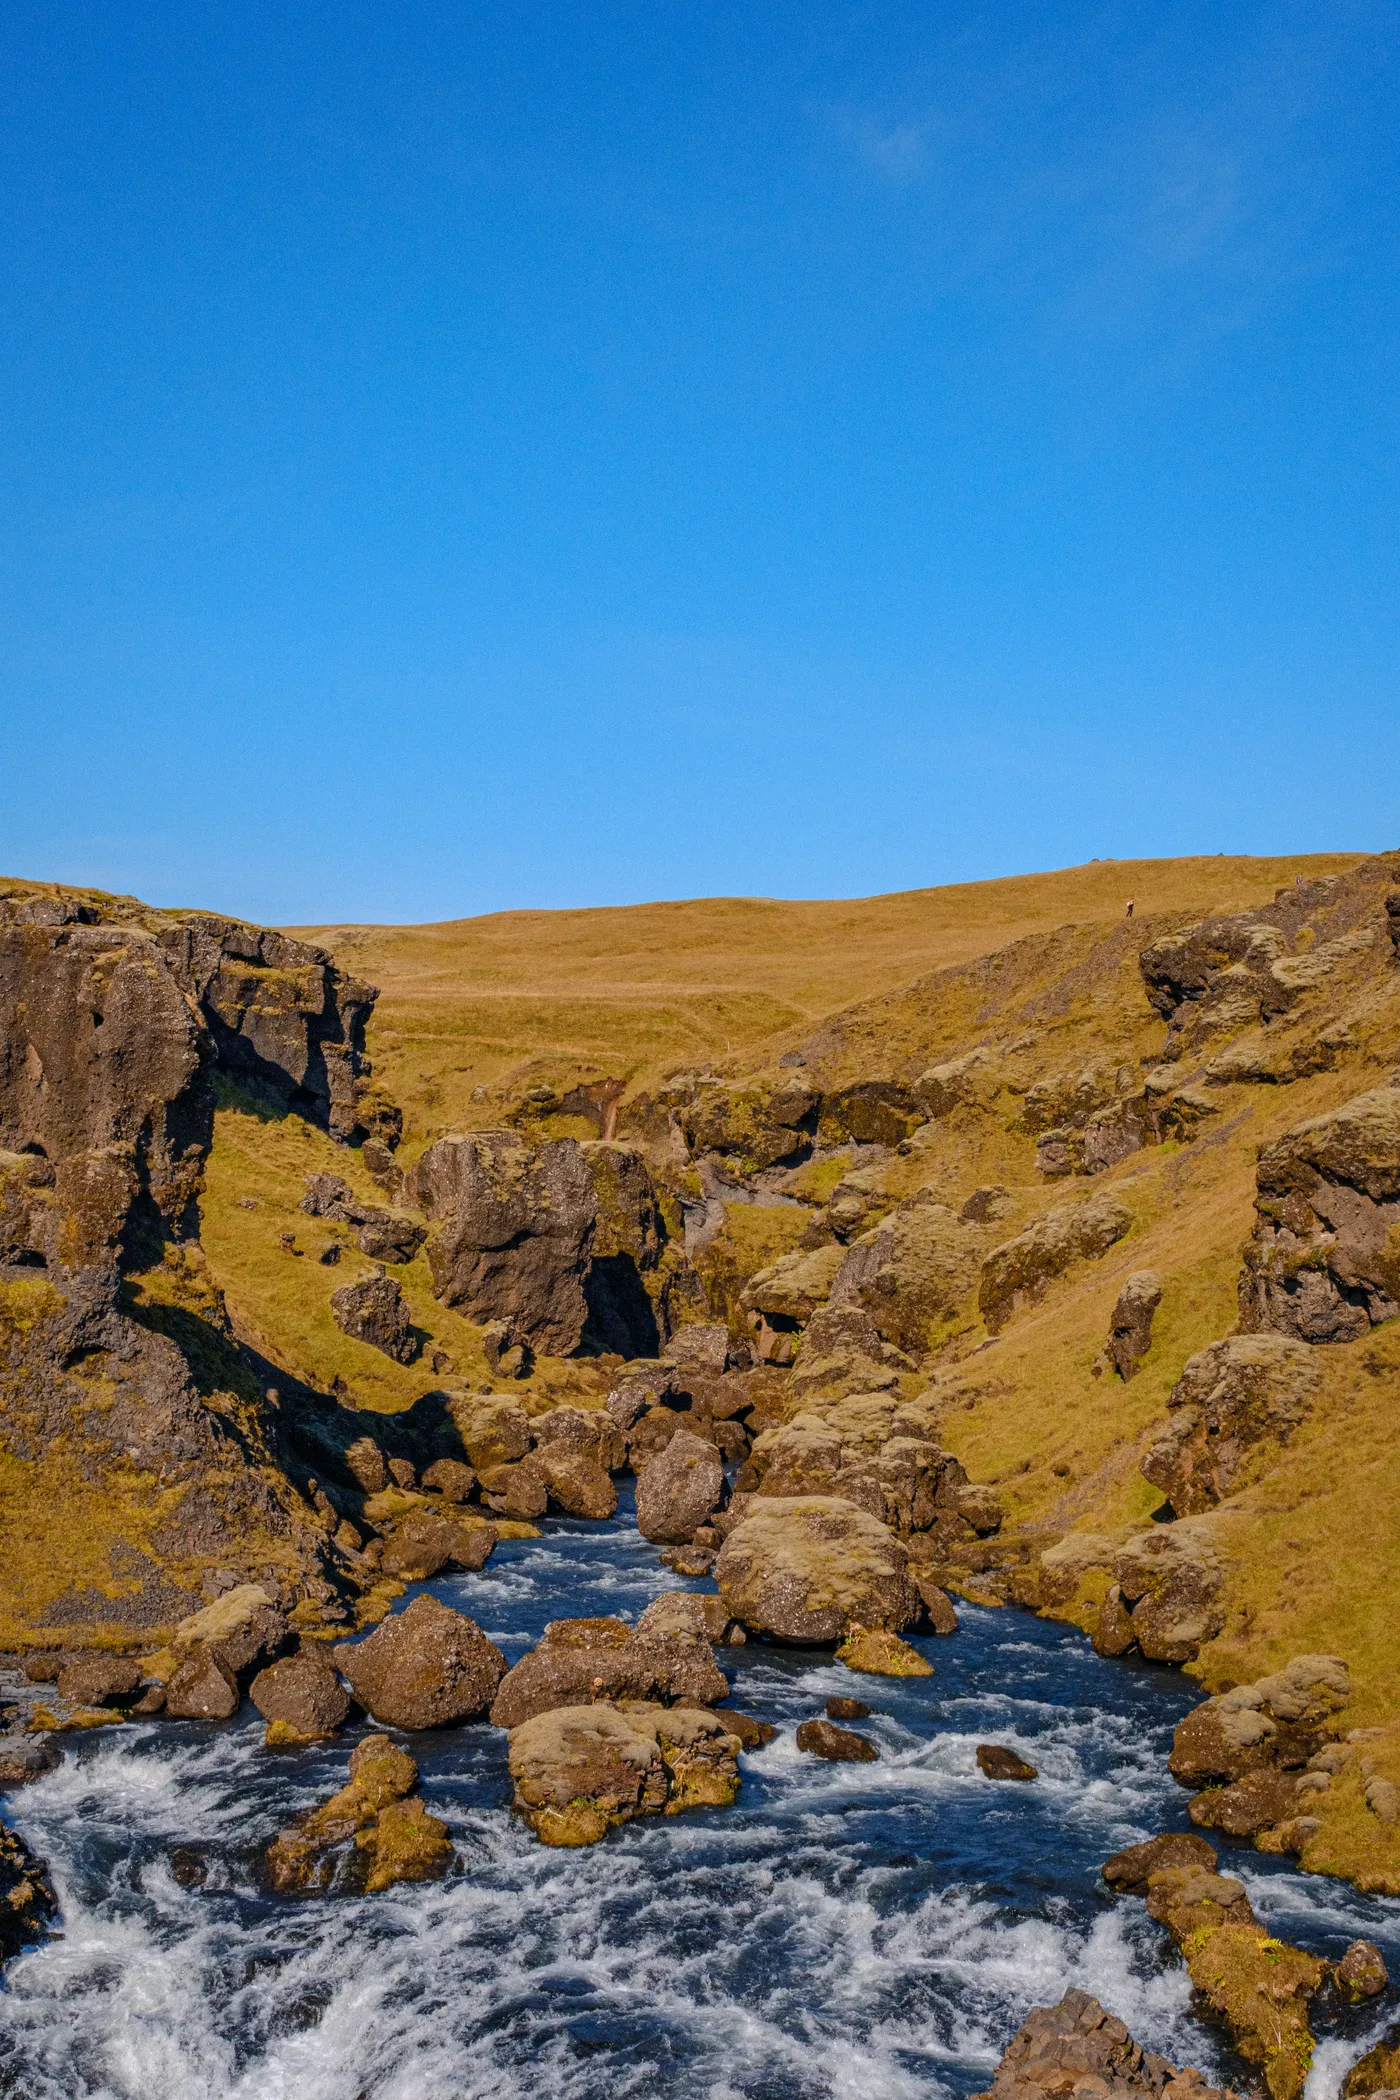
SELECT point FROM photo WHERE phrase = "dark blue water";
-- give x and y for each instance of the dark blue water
(869, 1932)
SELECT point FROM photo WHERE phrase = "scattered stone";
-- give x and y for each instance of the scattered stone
(752, 1734)
(366, 1463)
(847, 1710)
(1000, 1763)
(426, 1667)
(374, 1311)
(841, 1746)
(1361, 1972)
(100, 1680)
(202, 1689)
(518, 1491)
(449, 1478)
(495, 1431)
(678, 1489)
(881, 1654)
(1171, 1577)
(27, 1757)
(301, 1697)
(685, 1612)
(939, 1609)
(580, 1771)
(1130, 1335)
(576, 1483)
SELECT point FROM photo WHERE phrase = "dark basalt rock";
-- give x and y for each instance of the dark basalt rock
(374, 1311)
(1000, 1763)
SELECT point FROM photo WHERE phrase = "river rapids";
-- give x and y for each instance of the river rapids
(866, 1932)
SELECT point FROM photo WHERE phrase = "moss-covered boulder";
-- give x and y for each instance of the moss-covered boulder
(810, 1568)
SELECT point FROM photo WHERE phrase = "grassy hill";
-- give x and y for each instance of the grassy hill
(501, 1001)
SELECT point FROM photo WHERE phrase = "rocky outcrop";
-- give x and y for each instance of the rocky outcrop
(793, 1287)
(1259, 1988)
(560, 1241)
(106, 1116)
(579, 1771)
(1020, 1272)
(377, 1811)
(384, 1235)
(375, 1311)
(1277, 1723)
(810, 1568)
(28, 1903)
(1246, 1391)
(911, 1273)
(1378, 2071)
(1077, 2047)
(1130, 1334)
(1166, 1594)
(514, 1232)
(427, 1667)
(1324, 1262)
(579, 1661)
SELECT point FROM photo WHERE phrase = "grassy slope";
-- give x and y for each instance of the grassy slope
(646, 988)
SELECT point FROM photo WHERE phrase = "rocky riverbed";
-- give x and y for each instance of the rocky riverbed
(877, 1929)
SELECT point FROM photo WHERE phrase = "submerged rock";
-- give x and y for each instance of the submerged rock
(1000, 1763)
(426, 1667)
(377, 1809)
(841, 1746)
(581, 1770)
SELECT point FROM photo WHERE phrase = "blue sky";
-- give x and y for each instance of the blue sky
(467, 456)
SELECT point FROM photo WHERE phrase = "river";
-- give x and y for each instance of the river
(866, 1932)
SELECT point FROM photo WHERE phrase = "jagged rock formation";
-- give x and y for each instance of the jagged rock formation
(561, 1242)
(1229, 1398)
(1076, 2046)
(1324, 1263)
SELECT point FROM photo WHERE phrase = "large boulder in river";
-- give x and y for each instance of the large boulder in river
(580, 1770)
(1324, 1262)
(678, 1489)
(301, 1697)
(426, 1667)
(810, 1568)
(579, 1661)
(1248, 1390)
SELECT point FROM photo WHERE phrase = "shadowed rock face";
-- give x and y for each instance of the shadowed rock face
(564, 1242)
(1324, 1262)
(114, 1035)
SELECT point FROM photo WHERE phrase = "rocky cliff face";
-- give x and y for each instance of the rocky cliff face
(115, 1034)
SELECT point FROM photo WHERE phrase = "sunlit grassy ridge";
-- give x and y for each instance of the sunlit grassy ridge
(640, 989)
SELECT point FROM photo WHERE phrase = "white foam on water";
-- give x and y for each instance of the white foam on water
(799, 1944)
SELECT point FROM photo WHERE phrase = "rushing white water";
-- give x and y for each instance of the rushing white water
(869, 1932)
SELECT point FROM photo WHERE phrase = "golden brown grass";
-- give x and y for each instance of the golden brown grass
(645, 988)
